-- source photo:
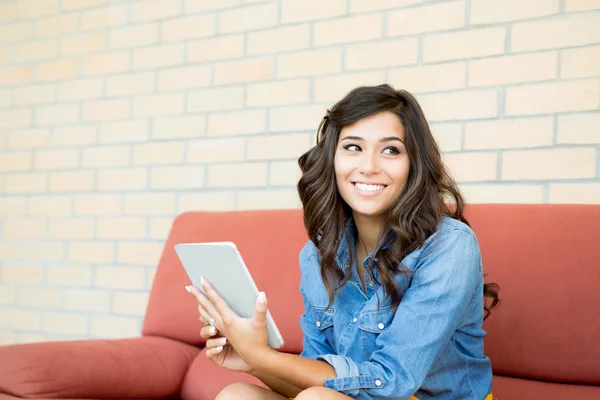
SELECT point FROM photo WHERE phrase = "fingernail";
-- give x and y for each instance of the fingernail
(202, 281)
(219, 348)
(262, 297)
(188, 289)
(212, 330)
(223, 341)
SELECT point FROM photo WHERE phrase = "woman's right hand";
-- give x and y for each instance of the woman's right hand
(222, 353)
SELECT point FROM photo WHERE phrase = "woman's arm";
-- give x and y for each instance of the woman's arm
(277, 385)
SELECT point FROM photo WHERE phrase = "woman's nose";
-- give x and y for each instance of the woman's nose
(369, 164)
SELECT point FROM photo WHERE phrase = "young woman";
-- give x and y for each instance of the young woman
(392, 278)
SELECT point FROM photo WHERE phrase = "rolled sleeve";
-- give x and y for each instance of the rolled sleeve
(348, 378)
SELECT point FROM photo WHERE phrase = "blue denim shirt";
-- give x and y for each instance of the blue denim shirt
(430, 347)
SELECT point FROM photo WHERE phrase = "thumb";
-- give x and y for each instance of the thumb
(260, 310)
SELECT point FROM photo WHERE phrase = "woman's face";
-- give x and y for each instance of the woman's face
(371, 164)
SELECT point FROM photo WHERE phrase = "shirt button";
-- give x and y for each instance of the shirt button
(377, 383)
(318, 324)
(380, 326)
(354, 319)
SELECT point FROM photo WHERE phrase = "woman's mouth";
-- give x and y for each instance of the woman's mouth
(368, 188)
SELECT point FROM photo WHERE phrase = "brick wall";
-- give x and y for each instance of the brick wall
(117, 115)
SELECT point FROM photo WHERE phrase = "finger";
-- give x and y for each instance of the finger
(213, 352)
(259, 318)
(212, 314)
(217, 301)
(208, 332)
(213, 343)
(205, 317)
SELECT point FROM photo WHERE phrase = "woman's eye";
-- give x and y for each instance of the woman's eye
(352, 147)
(391, 150)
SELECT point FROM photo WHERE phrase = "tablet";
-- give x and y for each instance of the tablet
(222, 265)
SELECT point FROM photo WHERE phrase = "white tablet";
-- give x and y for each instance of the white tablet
(222, 265)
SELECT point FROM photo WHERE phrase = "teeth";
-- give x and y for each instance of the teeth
(369, 188)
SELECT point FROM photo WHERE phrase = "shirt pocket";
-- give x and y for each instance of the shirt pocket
(324, 323)
(371, 324)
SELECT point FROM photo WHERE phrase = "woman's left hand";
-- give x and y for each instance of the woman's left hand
(248, 336)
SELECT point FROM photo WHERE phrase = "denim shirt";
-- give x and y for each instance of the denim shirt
(430, 347)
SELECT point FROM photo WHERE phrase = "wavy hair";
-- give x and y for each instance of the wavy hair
(410, 221)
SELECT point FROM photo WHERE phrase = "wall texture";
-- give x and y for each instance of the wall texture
(117, 115)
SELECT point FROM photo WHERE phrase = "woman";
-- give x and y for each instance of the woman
(391, 276)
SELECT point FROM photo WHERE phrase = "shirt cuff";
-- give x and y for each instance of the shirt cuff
(348, 377)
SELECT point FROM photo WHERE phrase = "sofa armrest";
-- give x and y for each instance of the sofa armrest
(147, 367)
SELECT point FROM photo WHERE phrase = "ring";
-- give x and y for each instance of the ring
(211, 322)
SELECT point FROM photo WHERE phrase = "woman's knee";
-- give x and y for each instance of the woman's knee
(319, 393)
(238, 391)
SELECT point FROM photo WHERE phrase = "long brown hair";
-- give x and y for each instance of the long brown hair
(410, 221)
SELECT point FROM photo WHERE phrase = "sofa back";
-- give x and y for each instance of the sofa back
(546, 259)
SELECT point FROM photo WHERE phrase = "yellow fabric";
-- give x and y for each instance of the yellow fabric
(488, 397)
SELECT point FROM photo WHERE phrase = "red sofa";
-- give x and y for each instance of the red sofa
(544, 340)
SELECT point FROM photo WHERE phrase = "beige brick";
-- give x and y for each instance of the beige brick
(333, 88)
(57, 115)
(472, 167)
(278, 147)
(109, 327)
(580, 63)
(268, 199)
(160, 104)
(193, 6)
(134, 36)
(236, 123)
(37, 338)
(382, 54)
(106, 63)
(24, 228)
(107, 110)
(541, 164)
(15, 75)
(130, 84)
(508, 193)
(574, 193)
(309, 10)
(50, 206)
(83, 43)
(284, 173)
(509, 133)
(447, 135)
(278, 93)
(8, 294)
(158, 56)
(217, 99)
(38, 94)
(140, 253)
(56, 26)
(37, 8)
(8, 11)
(489, 11)
(122, 179)
(57, 70)
(19, 319)
(15, 33)
(579, 128)
(106, 156)
(216, 150)
(178, 127)
(296, 118)
(15, 161)
(71, 228)
(158, 153)
(22, 274)
(460, 105)
(247, 70)
(307, 63)
(428, 18)
(513, 69)
(357, 6)
(130, 303)
(98, 204)
(189, 28)
(120, 277)
(124, 132)
(464, 44)
(27, 139)
(103, 18)
(82, 89)
(581, 5)
(7, 338)
(344, 30)
(160, 228)
(122, 228)
(15, 118)
(42, 251)
(563, 32)
(207, 201)
(185, 177)
(63, 322)
(150, 204)
(39, 297)
(65, 136)
(242, 19)
(553, 97)
(9, 251)
(91, 252)
(70, 5)
(56, 159)
(280, 39)
(26, 183)
(87, 300)
(151, 10)
(237, 175)
(72, 181)
(5, 100)
(219, 48)
(13, 206)
(69, 275)
(429, 78)
(184, 78)
(36, 51)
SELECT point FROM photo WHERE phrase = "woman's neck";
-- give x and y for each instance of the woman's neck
(369, 231)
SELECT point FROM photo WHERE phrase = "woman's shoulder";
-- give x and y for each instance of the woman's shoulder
(450, 231)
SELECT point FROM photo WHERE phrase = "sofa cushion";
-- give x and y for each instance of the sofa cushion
(506, 388)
